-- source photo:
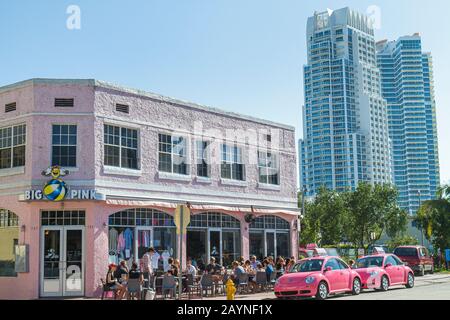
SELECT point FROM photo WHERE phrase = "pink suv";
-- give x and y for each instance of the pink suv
(318, 277)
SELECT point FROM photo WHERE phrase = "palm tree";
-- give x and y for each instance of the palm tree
(434, 217)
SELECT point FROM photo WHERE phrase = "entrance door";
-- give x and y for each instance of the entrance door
(271, 244)
(62, 261)
(215, 245)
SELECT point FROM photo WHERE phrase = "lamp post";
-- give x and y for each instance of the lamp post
(421, 228)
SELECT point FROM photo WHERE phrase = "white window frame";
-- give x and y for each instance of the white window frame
(12, 146)
(138, 157)
(268, 169)
(64, 145)
(229, 159)
(199, 158)
(172, 173)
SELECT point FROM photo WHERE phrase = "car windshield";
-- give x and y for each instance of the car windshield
(369, 262)
(308, 266)
(406, 252)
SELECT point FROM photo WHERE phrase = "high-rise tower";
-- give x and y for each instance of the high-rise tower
(407, 85)
(345, 122)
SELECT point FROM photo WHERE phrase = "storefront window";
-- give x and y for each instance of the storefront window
(269, 236)
(213, 234)
(9, 235)
(133, 231)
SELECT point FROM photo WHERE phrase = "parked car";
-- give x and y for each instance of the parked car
(318, 277)
(382, 271)
(417, 258)
(307, 253)
(332, 252)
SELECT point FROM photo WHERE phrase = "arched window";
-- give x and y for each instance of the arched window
(270, 222)
(133, 231)
(214, 220)
(144, 217)
(9, 238)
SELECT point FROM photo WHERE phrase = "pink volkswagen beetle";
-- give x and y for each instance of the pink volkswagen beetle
(382, 271)
(318, 277)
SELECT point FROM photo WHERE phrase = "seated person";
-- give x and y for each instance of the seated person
(173, 267)
(191, 269)
(213, 267)
(237, 271)
(113, 284)
(135, 273)
(122, 272)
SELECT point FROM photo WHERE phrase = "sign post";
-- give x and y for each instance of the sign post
(182, 220)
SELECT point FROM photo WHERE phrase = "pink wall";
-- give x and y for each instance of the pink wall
(35, 104)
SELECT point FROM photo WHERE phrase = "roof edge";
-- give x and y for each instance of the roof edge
(142, 93)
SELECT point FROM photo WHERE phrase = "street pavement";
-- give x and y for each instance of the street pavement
(429, 287)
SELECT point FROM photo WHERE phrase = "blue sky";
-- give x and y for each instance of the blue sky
(243, 56)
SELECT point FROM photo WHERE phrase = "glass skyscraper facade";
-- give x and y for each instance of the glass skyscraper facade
(345, 120)
(407, 85)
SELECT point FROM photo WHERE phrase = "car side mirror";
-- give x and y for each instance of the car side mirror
(388, 265)
(327, 269)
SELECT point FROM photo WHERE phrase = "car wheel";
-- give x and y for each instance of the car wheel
(410, 281)
(422, 271)
(356, 287)
(322, 291)
(384, 283)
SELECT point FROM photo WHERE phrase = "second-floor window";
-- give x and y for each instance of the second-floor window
(232, 166)
(12, 146)
(202, 159)
(268, 167)
(64, 145)
(121, 147)
(173, 154)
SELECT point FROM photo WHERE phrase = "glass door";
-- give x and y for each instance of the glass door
(270, 244)
(51, 262)
(215, 245)
(74, 262)
(62, 261)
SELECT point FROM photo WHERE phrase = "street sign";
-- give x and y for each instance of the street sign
(182, 218)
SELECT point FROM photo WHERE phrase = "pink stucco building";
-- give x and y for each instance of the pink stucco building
(130, 158)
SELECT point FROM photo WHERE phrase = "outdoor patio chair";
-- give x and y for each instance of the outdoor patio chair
(243, 282)
(272, 280)
(207, 283)
(169, 285)
(226, 276)
(106, 290)
(134, 288)
(261, 280)
(192, 285)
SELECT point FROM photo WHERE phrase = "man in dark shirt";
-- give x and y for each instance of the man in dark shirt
(213, 267)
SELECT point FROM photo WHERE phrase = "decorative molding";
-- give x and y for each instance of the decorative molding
(174, 176)
(205, 180)
(12, 171)
(266, 186)
(236, 183)
(121, 171)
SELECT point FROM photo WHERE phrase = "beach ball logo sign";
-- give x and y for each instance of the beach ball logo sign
(56, 189)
